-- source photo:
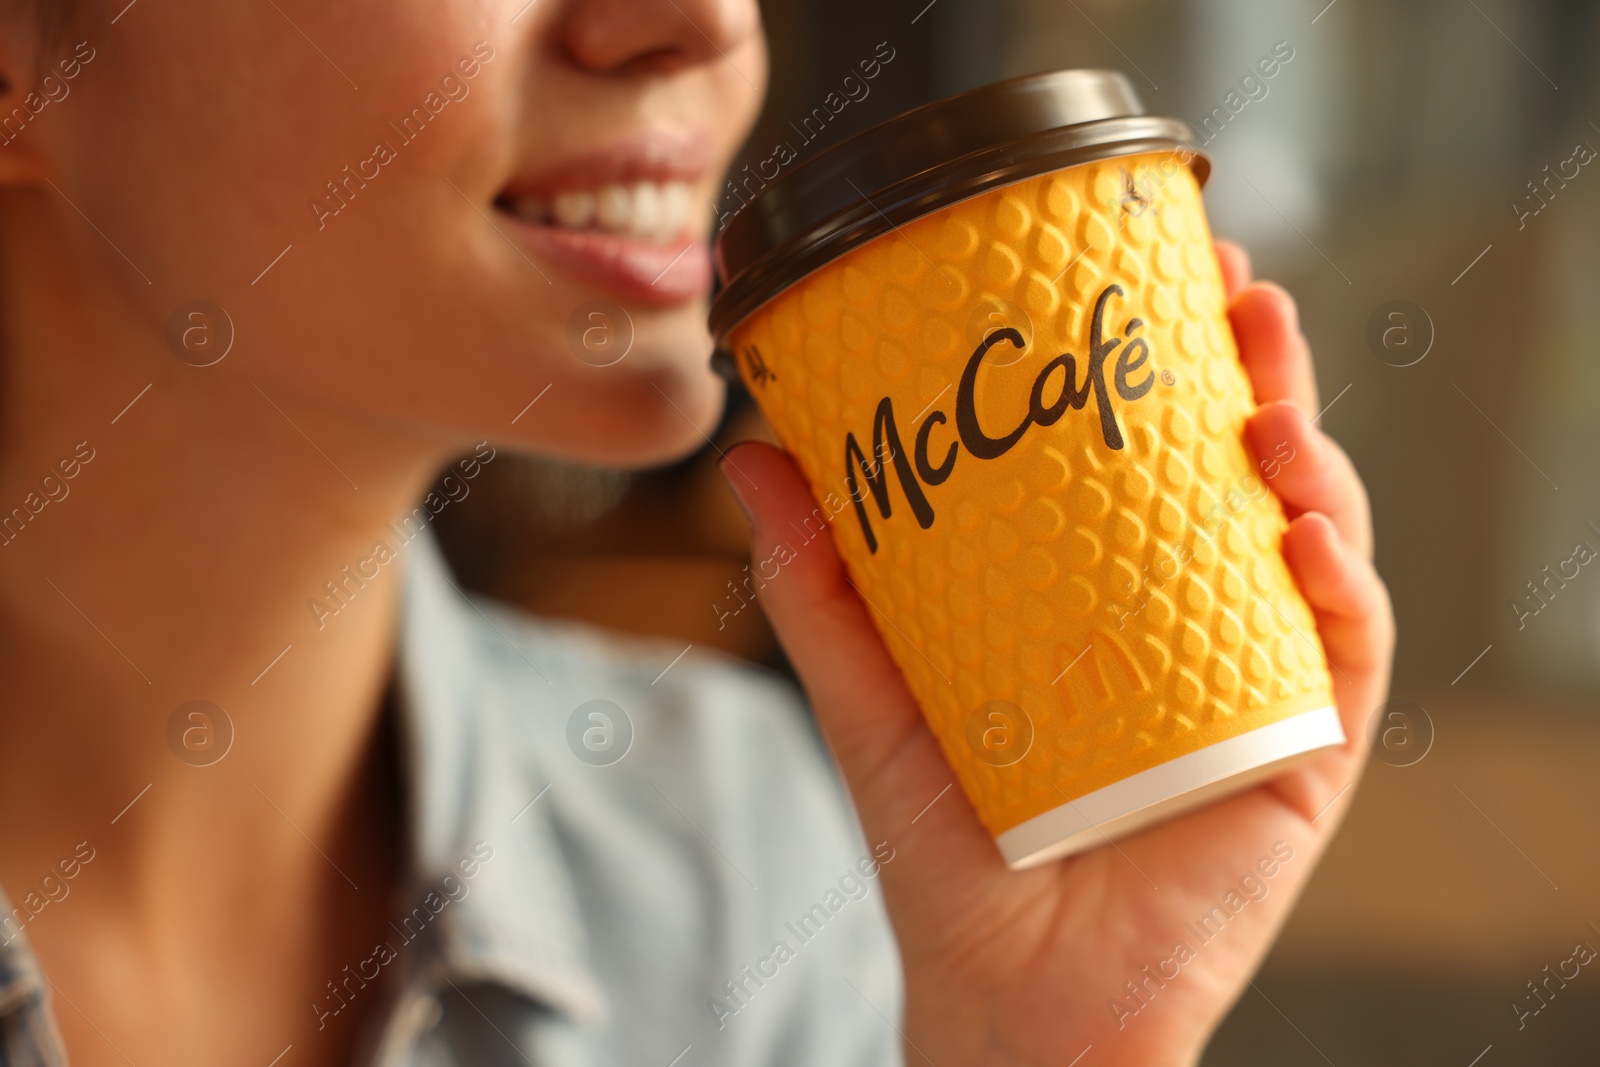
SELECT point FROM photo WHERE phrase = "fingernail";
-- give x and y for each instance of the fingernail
(738, 485)
(1291, 307)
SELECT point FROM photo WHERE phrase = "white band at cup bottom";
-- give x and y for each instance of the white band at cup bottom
(1169, 788)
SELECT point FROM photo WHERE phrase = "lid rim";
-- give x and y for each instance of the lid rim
(823, 240)
(924, 137)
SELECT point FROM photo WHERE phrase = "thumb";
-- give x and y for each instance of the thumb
(889, 758)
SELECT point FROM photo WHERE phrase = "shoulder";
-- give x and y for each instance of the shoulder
(654, 711)
(701, 821)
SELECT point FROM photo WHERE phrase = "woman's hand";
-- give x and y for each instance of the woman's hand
(1033, 967)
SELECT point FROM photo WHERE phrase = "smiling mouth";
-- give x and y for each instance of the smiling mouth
(654, 212)
(624, 217)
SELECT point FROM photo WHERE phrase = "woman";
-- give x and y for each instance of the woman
(267, 267)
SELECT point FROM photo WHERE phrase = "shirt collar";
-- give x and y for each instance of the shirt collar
(469, 783)
(19, 977)
(23, 994)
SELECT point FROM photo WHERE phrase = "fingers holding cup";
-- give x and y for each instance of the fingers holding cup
(1276, 355)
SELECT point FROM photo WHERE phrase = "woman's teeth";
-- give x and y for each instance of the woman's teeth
(649, 210)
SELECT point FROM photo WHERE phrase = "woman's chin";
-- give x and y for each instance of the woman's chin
(655, 419)
(688, 408)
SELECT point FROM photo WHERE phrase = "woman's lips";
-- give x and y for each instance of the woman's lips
(622, 215)
(634, 270)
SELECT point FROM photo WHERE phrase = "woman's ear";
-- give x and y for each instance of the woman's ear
(22, 106)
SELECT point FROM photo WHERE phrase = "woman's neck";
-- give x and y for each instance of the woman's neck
(169, 527)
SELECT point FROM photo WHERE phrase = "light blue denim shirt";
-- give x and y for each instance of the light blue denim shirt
(678, 884)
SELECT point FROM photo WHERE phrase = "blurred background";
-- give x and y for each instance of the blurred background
(1430, 152)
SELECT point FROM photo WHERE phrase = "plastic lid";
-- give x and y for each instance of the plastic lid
(922, 160)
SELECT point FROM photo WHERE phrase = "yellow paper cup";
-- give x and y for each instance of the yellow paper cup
(992, 334)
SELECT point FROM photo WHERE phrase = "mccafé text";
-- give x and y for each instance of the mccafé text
(914, 468)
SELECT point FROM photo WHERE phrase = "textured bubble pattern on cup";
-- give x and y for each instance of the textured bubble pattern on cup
(1131, 602)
